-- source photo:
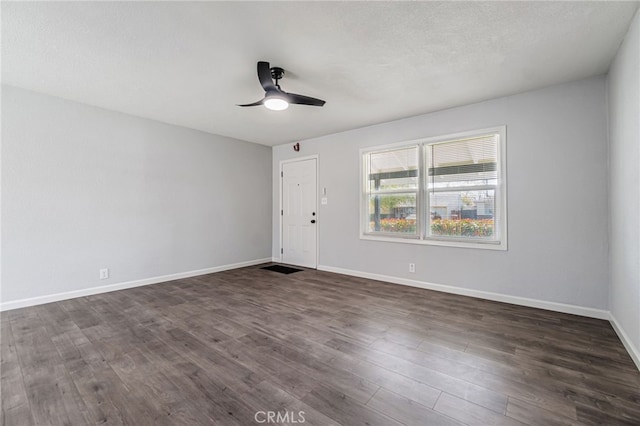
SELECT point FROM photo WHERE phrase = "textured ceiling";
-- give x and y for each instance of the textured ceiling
(189, 63)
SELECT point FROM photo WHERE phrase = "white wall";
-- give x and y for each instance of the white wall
(624, 189)
(556, 162)
(85, 188)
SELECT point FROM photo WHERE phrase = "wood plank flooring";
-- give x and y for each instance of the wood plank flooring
(314, 346)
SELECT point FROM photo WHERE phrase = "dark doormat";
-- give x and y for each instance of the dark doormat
(281, 269)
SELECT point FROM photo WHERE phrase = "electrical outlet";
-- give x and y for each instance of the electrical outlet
(412, 267)
(104, 273)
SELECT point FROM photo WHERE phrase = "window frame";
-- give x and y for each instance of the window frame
(422, 196)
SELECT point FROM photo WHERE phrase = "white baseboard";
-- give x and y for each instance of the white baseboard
(626, 341)
(39, 300)
(515, 300)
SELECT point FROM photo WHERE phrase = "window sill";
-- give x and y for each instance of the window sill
(482, 245)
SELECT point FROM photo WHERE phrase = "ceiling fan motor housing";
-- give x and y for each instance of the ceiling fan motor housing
(277, 73)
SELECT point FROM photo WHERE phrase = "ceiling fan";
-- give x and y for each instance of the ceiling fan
(275, 98)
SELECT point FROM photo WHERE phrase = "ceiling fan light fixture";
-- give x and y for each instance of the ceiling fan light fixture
(276, 103)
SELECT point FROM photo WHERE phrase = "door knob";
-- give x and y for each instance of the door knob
(313, 221)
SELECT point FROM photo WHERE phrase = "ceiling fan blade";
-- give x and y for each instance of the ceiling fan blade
(260, 102)
(304, 100)
(264, 75)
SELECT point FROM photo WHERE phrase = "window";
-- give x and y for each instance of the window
(445, 191)
(392, 191)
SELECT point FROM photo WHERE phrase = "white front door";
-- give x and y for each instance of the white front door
(299, 213)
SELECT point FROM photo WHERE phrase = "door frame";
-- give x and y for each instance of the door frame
(281, 207)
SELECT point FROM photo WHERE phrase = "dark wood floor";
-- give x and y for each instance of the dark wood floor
(217, 349)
